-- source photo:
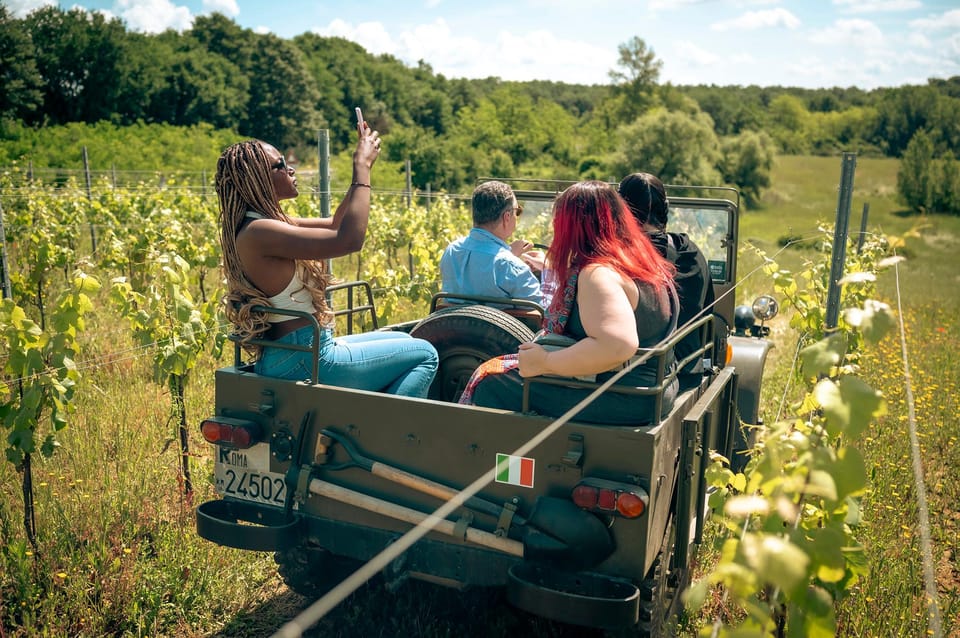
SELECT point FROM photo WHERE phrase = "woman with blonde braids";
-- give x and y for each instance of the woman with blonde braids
(271, 259)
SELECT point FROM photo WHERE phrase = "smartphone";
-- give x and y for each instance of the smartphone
(359, 120)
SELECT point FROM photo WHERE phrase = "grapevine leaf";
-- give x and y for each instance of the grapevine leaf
(858, 278)
(823, 355)
(854, 515)
(865, 403)
(874, 320)
(886, 262)
(695, 595)
(849, 406)
(827, 552)
(821, 483)
(812, 616)
(850, 473)
(748, 505)
(778, 560)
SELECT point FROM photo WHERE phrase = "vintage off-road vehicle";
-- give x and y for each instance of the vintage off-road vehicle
(594, 526)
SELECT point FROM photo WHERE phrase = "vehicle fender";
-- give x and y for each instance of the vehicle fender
(749, 355)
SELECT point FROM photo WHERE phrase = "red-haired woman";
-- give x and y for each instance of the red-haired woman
(619, 295)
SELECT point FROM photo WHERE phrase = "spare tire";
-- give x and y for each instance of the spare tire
(465, 337)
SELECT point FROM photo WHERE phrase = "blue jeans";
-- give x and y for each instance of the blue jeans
(388, 361)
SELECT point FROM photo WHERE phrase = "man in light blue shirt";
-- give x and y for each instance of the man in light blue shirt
(483, 263)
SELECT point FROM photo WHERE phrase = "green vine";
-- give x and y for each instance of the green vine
(40, 377)
(165, 318)
(790, 517)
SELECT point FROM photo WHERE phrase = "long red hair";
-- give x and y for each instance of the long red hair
(593, 225)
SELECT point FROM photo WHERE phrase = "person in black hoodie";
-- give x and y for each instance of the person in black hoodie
(647, 199)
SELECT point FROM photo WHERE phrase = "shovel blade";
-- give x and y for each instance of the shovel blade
(559, 532)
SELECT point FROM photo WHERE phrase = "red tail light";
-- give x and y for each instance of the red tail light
(609, 497)
(234, 433)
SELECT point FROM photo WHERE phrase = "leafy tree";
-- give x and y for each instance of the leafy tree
(901, 113)
(915, 178)
(949, 87)
(339, 68)
(219, 34)
(640, 65)
(283, 97)
(728, 107)
(746, 161)
(21, 85)
(844, 130)
(80, 60)
(676, 147)
(636, 79)
(947, 186)
(789, 118)
(200, 86)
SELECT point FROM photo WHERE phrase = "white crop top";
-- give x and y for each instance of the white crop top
(293, 297)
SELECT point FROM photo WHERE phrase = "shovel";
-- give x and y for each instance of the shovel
(556, 530)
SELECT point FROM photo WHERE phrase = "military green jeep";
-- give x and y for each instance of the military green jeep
(594, 525)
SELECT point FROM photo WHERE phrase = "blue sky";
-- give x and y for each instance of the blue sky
(806, 43)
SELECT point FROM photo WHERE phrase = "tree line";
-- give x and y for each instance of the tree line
(63, 68)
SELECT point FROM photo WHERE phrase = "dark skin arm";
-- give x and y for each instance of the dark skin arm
(268, 247)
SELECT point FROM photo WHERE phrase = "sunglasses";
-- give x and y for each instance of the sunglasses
(517, 210)
(281, 165)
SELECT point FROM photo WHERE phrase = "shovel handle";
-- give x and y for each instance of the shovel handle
(399, 512)
(437, 490)
(414, 482)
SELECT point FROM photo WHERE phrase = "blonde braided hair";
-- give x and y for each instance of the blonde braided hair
(244, 183)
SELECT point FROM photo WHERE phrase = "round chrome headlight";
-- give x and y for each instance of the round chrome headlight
(765, 307)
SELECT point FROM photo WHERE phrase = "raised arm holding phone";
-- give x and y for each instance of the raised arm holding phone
(271, 259)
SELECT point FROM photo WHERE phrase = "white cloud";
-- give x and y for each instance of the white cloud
(689, 52)
(435, 41)
(531, 55)
(919, 40)
(107, 14)
(752, 20)
(372, 36)
(949, 20)
(521, 57)
(226, 7)
(862, 33)
(20, 8)
(876, 6)
(154, 16)
(670, 5)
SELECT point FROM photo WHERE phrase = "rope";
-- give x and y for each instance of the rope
(930, 583)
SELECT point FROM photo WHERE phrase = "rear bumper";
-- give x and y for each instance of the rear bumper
(580, 598)
(248, 525)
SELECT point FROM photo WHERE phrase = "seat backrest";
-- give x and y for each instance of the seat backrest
(661, 353)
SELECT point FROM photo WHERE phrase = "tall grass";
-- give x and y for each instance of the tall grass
(118, 553)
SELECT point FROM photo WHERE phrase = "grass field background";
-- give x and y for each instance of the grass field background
(119, 554)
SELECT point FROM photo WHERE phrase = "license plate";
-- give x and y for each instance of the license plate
(245, 474)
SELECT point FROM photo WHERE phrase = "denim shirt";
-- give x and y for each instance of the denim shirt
(481, 264)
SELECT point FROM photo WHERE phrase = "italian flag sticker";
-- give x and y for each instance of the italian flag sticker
(515, 470)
